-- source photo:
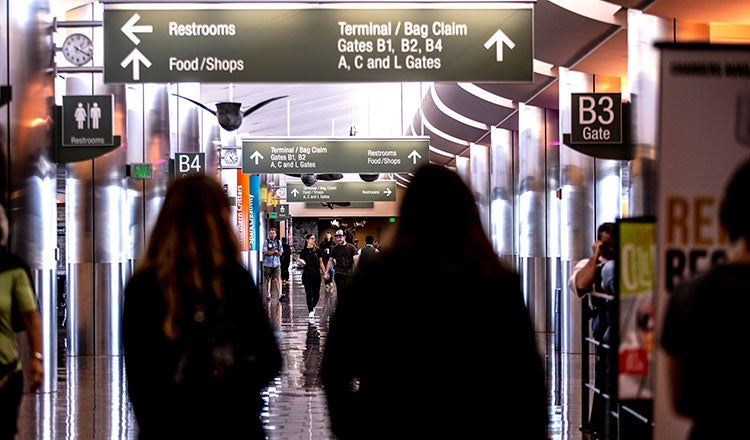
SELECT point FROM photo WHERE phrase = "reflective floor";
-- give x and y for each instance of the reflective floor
(91, 402)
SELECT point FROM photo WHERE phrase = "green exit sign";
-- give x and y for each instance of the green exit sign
(272, 215)
(140, 170)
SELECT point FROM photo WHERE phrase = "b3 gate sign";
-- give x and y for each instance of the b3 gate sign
(596, 118)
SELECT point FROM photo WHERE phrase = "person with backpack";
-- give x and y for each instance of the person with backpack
(198, 344)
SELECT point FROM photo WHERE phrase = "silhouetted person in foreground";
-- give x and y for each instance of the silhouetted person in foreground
(455, 356)
(16, 285)
(705, 329)
(198, 345)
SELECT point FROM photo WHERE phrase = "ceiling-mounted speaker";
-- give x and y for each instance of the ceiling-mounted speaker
(308, 179)
(230, 114)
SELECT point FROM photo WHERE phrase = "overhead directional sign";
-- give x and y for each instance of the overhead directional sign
(379, 191)
(302, 155)
(319, 43)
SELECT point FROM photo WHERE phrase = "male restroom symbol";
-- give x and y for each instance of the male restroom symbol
(94, 115)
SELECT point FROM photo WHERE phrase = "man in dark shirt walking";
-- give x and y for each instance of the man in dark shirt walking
(343, 257)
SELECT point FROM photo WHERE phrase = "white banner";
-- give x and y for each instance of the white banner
(704, 133)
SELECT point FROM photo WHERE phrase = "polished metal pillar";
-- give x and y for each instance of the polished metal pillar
(532, 206)
(502, 159)
(479, 165)
(643, 68)
(98, 219)
(576, 209)
(29, 187)
(591, 193)
(98, 231)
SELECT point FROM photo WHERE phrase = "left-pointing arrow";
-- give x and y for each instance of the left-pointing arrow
(130, 29)
(136, 57)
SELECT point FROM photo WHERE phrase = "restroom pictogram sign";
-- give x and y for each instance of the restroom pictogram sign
(87, 121)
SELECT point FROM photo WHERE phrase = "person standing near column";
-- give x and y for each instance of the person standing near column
(588, 284)
(272, 262)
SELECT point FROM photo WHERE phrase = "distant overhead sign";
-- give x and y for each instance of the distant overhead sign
(319, 43)
(379, 191)
(334, 155)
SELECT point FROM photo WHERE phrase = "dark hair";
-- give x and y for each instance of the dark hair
(437, 204)
(191, 244)
(734, 210)
(606, 227)
(307, 237)
(369, 239)
(607, 248)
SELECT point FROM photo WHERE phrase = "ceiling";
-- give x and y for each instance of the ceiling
(589, 36)
(583, 35)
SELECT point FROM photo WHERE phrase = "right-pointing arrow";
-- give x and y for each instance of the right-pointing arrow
(499, 38)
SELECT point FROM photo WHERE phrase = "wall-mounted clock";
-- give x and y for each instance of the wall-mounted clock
(78, 49)
(230, 158)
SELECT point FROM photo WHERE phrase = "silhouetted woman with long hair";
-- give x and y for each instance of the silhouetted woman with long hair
(455, 356)
(198, 346)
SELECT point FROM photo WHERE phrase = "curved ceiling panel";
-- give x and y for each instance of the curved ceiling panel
(561, 37)
(519, 92)
(471, 106)
(435, 115)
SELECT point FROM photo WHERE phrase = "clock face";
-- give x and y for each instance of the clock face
(77, 49)
(230, 158)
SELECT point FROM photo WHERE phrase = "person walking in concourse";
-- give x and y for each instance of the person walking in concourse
(311, 272)
(343, 258)
(198, 345)
(15, 286)
(396, 373)
(286, 260)
(326, 244)
(272, 263)
(705, 326)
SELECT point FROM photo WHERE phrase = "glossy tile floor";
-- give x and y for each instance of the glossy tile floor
(91, 402)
